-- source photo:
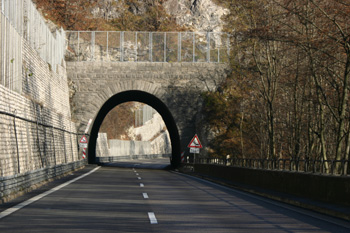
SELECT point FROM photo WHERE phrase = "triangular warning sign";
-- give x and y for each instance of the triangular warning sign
(195, 143)
(83, 139)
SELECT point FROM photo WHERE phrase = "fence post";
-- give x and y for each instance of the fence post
(194, 47)
(121, 46)
(93, 46)
(150, 46)
(15, 131)
(164, 46)
(228, 45)
(54, 147)
(332, 168)
(64, 144)
(37, 134)
(208, 46)
(70, 139)
(107, 41)
(179, 47)
(136, 46)
(219, 48)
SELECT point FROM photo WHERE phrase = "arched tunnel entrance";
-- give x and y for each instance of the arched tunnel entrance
(145, 98)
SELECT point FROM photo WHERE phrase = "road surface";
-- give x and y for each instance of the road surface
(140, 196)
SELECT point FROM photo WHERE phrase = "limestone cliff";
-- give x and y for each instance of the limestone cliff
(197, 15)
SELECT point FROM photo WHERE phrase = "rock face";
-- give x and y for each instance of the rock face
(198, 15)
(107, 9)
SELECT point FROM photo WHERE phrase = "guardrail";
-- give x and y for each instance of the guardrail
(147, 46)
(333, 167)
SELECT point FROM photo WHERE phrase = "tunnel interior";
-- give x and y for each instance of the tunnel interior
(145, 98)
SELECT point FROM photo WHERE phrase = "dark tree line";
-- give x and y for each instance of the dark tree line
(290, 81)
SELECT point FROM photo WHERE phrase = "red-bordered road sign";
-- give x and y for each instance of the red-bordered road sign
(83, 139)
(195, 143)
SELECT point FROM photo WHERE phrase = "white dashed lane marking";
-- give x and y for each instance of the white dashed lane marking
(151, 215)
(152, 218)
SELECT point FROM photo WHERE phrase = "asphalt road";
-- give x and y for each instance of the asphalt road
(140, 196)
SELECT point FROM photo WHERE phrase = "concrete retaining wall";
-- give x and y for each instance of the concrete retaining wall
(122, 148)
(326, 188)
(37, 133)
(102, 147)
(128, 157)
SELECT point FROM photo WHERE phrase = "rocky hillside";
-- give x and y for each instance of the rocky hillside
(134, 15)
(198, 15)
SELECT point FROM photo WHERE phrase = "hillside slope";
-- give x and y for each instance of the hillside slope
(134, 15)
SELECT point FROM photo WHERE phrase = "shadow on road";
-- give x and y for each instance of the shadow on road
(156, 164)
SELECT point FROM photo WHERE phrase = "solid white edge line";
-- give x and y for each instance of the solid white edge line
(152, 218)
(38, 197)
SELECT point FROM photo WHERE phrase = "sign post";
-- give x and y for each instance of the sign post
(194, 146)
(183, 157)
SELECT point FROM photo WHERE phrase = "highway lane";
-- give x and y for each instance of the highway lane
(137, 196)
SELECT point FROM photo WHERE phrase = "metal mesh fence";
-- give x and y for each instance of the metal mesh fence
(11, 56)
(147, 46)
(21, 20)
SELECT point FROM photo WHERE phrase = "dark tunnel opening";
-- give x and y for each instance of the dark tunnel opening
(145, 98)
